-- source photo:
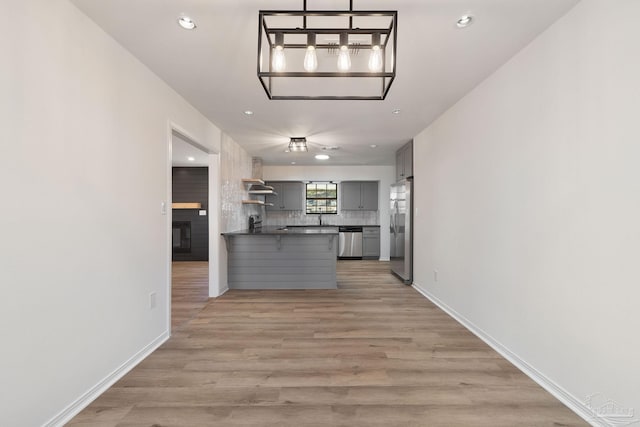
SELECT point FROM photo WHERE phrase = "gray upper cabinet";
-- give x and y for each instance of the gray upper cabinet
(404, 161)
(359, 195)
(369, 195)
(288, 198)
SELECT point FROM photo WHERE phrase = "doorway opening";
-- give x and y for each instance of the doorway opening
(190, 216)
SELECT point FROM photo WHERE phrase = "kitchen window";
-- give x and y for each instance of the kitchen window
(322, 198)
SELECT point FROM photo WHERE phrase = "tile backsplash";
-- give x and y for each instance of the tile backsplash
(235, 164)
(300, 218)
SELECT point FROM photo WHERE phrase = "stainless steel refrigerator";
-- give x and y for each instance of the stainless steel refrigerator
(401, 228)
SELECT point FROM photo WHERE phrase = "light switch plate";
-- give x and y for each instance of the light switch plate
(202, 212)
(152, 300)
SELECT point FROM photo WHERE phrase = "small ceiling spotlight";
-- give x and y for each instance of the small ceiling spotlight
(186, 23)
(373, 146)
(248, 113)
(191, 159)
(322, 157)
(396, 111)
(464, 21)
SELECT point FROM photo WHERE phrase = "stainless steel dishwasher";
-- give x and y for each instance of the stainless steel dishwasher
(350, 242)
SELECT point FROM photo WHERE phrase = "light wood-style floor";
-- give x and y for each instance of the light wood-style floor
(372, 353)
(189, 291)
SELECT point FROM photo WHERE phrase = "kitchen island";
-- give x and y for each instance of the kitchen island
(282, 258)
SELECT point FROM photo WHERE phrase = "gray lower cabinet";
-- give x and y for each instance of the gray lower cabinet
(288, 198)
(298, 261)
(371, 242)
(359, 195)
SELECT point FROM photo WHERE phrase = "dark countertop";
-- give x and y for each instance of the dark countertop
(286, 231)
(335, 226)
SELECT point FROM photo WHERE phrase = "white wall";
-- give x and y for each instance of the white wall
(83, 170)
(384, 174)
(529, 200)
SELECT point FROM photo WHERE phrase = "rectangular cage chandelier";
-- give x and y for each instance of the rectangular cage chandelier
(327, 54)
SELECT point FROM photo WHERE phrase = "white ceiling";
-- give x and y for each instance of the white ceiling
(214, 67)
(182, 151)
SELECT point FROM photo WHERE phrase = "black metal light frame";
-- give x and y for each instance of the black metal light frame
(386, 77)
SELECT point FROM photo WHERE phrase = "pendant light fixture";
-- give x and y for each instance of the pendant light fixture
(330, 54)
(344, 60)
(375, 57)
(279, 62)
(310, 57)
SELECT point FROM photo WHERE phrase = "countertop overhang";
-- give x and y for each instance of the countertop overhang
(286, 231)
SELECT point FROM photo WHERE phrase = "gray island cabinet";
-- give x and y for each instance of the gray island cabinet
(281, 258)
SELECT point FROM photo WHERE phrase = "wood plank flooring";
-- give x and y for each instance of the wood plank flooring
(189, 291)
(372, 353)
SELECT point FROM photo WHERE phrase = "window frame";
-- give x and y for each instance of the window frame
(326, 198)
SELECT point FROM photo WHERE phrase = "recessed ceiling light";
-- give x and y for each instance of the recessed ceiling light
(293, 163)
(191, 159)
(396, 111)
(248, 112)
(464, 21)
(373, 146)
(322, 157)
(186, 23)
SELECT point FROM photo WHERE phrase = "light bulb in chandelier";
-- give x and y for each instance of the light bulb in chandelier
(279, 62)
(344, 60)
(375, 57)
(310, 58)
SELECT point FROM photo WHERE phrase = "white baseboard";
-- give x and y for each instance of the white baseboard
(569, 400)
(94, 392)
(222, 292)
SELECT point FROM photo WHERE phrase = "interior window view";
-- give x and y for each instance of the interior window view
(322, 198)
(308, 213)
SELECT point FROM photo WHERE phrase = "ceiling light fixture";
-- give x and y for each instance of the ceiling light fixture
(396, 111)
(464, 21)
(322, 156)
(298, 144)
(344, 60)
(186, 23)
(376, 62)
(191, 159)
(310, 58)
(347, 34)
(248, 112)
(279, 62)
(373, 146)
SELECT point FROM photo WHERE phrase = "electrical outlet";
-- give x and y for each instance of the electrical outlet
(152, 300)
(435, 275)
(163, 208)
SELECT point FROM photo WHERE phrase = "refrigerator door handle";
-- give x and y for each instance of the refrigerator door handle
(395, 217)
